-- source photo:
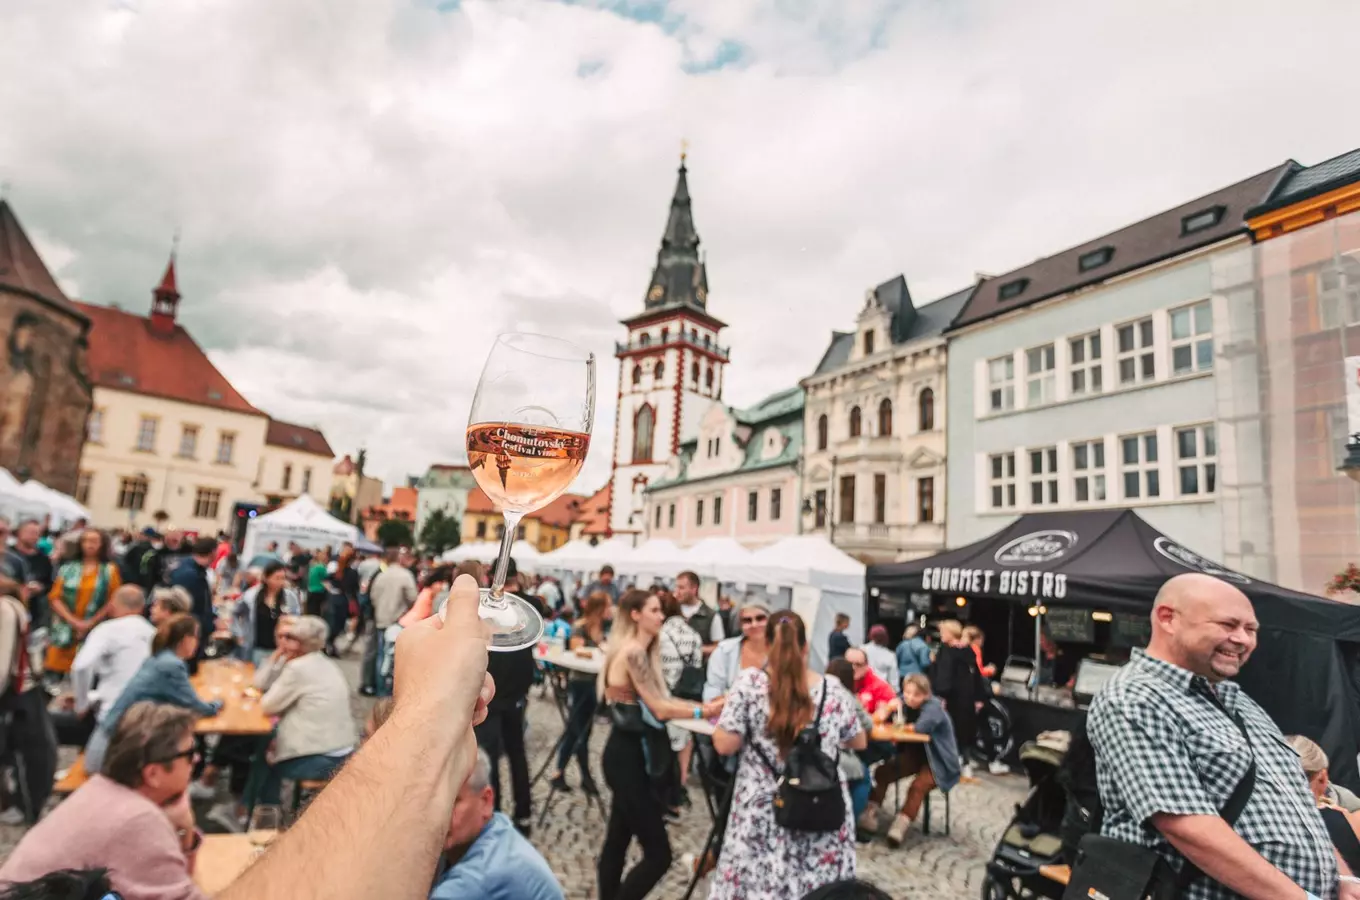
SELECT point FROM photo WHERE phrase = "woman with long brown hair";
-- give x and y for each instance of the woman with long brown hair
(632, 683)
(587, 631)
(771, 708)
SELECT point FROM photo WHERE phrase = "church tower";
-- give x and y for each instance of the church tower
(670, 368)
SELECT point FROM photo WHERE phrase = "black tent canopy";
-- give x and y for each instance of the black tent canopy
(1306, 669)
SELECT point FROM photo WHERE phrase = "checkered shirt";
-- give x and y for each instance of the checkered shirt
(1163, 745)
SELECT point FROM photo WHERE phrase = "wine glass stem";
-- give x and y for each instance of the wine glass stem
(497, 597)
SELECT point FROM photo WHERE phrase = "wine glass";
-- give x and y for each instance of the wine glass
(527, 438)
(266, 820)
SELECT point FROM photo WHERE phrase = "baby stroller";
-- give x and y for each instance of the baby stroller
(1033, 837)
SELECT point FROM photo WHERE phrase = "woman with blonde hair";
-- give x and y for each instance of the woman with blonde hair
(637, 763)
(1342, 827)
(960, 686)
(735, 654)
(769, 710)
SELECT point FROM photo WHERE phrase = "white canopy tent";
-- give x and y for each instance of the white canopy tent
(658, 558)
(302, 521)
(723, 558)
(478, 550)
(64, 510)
(824, 581)
(29, 500)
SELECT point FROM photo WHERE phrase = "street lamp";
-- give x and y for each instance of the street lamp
(1351, 466)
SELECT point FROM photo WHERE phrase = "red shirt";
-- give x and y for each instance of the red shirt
(873, 692)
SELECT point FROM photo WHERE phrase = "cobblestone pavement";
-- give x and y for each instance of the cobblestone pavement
(933, 867)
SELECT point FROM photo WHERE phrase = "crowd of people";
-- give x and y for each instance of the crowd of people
(100, 636)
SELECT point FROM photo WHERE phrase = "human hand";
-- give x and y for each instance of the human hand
(440, 664)
(1348, 890)
(977, 707)
(714, 707)
(181, 815)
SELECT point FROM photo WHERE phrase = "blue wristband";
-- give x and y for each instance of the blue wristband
(698, 712)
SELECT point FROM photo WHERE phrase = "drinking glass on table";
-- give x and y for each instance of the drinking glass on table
(527, 438)
(266, 820)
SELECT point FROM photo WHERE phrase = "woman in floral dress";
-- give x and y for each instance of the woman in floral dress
(760, 860)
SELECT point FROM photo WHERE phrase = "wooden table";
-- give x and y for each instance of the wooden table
(898, 734)
(221, 860)
(232, 682)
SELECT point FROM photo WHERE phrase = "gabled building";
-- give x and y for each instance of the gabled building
(296, 460)
(874, 457)
(670, 367)
(737, 477)
(443, 487)
(592, 520)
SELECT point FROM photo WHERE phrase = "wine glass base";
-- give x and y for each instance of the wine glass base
(512, 624)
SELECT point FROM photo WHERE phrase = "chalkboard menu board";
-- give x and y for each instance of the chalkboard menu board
(1131, 630)
(892, 607)
(1073, 626)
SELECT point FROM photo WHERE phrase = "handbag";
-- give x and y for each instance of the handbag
(1119, 870)
(690, 684)
(807, 794)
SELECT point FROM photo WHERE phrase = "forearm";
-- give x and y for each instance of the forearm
(1210, 843)
(377, 831)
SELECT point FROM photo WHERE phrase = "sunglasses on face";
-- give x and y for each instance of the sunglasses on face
(191, 754)
(754, 621)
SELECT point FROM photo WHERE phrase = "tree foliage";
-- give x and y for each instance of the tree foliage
(439, 533)
(395, 533)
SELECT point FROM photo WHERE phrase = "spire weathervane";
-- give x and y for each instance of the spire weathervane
(684, 150)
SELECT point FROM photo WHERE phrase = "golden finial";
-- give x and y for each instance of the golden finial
(684, 150)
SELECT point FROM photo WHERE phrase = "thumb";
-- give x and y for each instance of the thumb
(460, 612)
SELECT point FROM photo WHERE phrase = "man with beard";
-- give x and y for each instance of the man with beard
(1174, 738)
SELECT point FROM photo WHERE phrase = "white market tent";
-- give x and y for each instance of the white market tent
(723, 558)
(302, 521)
(658, 558)
(580, 555)
(64, 510)
(478, 550)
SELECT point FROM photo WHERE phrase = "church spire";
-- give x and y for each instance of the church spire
(680, 277)
(165, 298)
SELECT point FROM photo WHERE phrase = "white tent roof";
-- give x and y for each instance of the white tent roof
(807, 559)
(580, 555)
(64, 509)
(719, 557)
(303, 521)
(657, 557)
(30, 500)
(481, 551)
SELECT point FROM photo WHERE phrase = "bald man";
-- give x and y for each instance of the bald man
(1175, 745)
(114, 650)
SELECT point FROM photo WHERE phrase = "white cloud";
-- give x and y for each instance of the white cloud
(369, 190)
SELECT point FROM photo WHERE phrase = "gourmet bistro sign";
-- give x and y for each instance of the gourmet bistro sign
(1010, 582)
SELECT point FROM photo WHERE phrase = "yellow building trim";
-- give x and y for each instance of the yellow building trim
(1334, 203)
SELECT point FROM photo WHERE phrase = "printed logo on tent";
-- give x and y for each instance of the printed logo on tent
(1036, 547)
(1192, 560)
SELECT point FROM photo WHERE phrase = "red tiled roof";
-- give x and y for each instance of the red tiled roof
(559, 514)
(298, 437)
(479, 502)
(126, 355)
(402, 505)
(595, 511)
(22, 270)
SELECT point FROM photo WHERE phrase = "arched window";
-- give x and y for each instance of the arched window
(644, 339)
(708, 378)
(885, 417)
(694, 373)
(643, 425)
(659, 370)
(637, 375)
(855, 425)
(927, 409)
(821, 432)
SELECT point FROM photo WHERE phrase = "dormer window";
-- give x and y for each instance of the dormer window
(1012, 289)
(1205, 218)
(869, 343)
(1095, 259)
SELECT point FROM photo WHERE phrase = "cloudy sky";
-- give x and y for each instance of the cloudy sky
(369, 190)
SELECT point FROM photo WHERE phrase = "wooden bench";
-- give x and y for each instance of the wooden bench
(1060, 874)
(73, 779)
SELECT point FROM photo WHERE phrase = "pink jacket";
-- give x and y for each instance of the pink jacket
(106, 825)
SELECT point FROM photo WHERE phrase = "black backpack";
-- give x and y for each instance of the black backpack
(807, 794)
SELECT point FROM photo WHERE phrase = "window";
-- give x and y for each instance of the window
(206, 501)
(1135, 355)
(657, 523)
(925, 499)
(869, 343)
(821, 432)
(94, 427)
(643, 425)
(500, 531)
(775, 497)
(1192, 338)
(1206, 218)
(694, 373)
(665, 333)
(644, 339)
(752, 505)
(481, 528)
(519, 533)
(1083, 357)
(287, 476)
(1197, 461)
(880, 498)
(306, 479)
(698, 512)
(855, 425)
(1338, 297)
(925, 410)
(1001, 383)
(1012, 289)
(708, 378)
(132, 493)
(1003, 480)
(146, 434)
(885, 417)
(188, 442)
(637, 375)
(1043, 476)
(820, 509)
(1095, 259)
(659, 371)
(1088, 471)
(226, 445)
(83, 487)
(717, 446)
(717, 510)
(670, 516)
(1039, 378)
(847, 498)
(1138, 461)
